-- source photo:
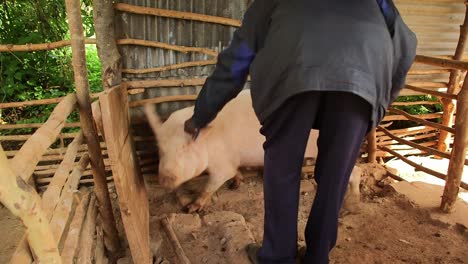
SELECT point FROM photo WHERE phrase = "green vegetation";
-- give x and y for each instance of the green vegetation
(40, 74)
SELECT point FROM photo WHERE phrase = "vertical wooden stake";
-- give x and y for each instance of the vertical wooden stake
(88, 126)
(103, 15)
(460, 146)
(453, 88)
(372, 146)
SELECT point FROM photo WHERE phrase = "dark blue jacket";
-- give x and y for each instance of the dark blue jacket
(294, 46)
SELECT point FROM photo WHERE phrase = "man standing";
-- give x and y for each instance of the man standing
(332, 65)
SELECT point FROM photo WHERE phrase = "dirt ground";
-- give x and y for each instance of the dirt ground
(11, 230)
(386, 229)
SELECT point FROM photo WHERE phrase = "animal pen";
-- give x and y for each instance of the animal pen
(161, 52)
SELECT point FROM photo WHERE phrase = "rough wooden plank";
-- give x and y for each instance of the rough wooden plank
(97, 116)
(88, 232)
(61, 215)
(23, 201)
(70, 246)
(99, 254)
(128, 180)
(51, 196)
(25, 161)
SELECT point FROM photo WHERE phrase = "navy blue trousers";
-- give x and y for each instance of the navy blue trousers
(343, 120)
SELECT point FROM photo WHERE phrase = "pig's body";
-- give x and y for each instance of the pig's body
(231, 141)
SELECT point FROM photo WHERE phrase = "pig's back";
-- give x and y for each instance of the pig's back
(239, 127)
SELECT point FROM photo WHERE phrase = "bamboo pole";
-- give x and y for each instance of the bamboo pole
(70, 246)
(421, 121)
(33, 125)
(415, 103)
(89, 128)
(428, 72)
(372, 146)
(398, 147)
(171, 67)
(418, 146)
(428, 91)
(426, 84)
(26, 159)
(42, 46)
(174, 241)
(26, 137)
(156, 44)
(453, 88)
(402, 117)
(176, 14)
(408, 131)
(440, 62)
(388, 141)
(165, 83)
(165, 99)
(23, 201)
(460, 147)
(38, 102)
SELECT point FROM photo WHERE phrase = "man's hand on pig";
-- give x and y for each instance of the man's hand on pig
(191, 129)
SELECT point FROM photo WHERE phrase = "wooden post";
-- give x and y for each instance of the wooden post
(129, 183)
(103, 14)
(23, 201)
(453, 88)
(460, 146)
(88, 126)
(372, 146)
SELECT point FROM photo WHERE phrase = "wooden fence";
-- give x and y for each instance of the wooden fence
(58, 172)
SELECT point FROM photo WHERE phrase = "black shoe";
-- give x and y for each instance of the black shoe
(301, 254)
(252, 251)
(253, 248)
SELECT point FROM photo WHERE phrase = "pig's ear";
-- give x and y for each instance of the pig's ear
(153, 118)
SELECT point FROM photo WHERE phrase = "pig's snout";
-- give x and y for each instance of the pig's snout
(167, 181)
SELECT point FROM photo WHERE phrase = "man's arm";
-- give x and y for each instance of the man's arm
(232, 68)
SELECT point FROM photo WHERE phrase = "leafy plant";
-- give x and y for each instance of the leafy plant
(39, 74)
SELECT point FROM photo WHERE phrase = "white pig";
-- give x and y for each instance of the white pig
(231, 141)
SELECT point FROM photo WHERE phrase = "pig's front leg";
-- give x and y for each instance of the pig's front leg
(215, 181)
